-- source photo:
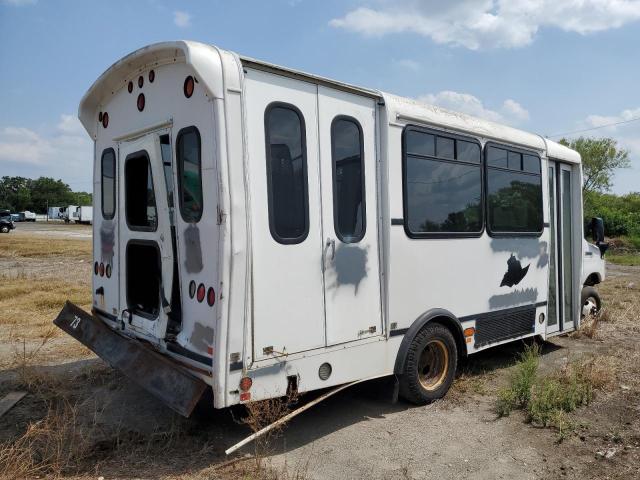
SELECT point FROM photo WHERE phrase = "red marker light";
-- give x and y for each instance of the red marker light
(245, 383)
(200, 294)
(105, 119)
(108, 271)
(192, 289)
(211, 296)
(152, 76)
(130, 87)
(141, 102)
(140, 81)
(95, 268)
(101, 268)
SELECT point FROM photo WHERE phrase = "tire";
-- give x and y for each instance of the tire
(4, 229)
(590, 301)
(430, 365)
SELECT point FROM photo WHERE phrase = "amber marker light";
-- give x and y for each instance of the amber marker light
(189, 85)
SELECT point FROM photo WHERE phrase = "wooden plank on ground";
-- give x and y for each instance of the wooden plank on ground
(9, 400)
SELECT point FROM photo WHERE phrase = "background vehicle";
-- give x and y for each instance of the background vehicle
(6, 224)
(27, 216)
(68, 213)
(83, 214)
(55, 213)
(282, 231)
(593, 268)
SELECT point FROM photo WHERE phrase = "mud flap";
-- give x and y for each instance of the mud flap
(157, 374)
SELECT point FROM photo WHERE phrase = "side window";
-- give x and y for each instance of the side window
(140, 198)
(108, 183)
(348, 179)
(442, 184)
(514, 192)
(286, 173)
(188, 157)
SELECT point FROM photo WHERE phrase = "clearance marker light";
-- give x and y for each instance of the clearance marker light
(192, 289)
(211, 296)
(141, 102)
(95, 268)
(200, 294)
(152, 76)
(105, 119)
(101, 268)
(140, 81)
(130, 86)
(469, 333)
(189, 85)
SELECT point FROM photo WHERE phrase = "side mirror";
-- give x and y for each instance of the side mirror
(597, 230)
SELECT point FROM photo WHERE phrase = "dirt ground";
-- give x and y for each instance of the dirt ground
(84, 420)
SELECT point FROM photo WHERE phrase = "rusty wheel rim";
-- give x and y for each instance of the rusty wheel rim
(433, 365)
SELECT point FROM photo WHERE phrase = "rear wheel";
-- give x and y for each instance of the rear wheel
(4, 229)
(591, 302)
(430, 365)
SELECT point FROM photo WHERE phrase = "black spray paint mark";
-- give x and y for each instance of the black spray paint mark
(201, 337)
(513, 299)
(515, 273)
(350, 266)
(193, 250)
(107, 240)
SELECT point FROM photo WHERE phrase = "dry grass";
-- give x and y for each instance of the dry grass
(53, 446)
(23, 245)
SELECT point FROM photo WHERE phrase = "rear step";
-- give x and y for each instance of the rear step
(157, 374)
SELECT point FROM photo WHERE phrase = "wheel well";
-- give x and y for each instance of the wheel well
(440, 316)
(592, 279)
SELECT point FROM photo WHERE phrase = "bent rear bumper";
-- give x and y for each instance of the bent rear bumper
(159, 375)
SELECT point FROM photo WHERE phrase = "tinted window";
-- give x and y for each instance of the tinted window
(421, 143)
(445, 148)
(189, 174)
(443, 194)
(108, 187)
(467, 151)
(140, 200)
(514, 196)
(286, 174)
(348, 180)
(497, 157)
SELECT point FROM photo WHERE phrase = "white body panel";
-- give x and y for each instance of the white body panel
(283, 309)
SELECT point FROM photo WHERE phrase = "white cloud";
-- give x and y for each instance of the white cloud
(510, 112)
(182, 19)
(477, 24)
(19, 3)
(66, 153)
(606, 121)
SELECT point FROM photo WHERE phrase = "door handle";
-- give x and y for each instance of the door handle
(329, 243)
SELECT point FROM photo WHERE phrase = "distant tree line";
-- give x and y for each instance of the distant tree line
(19, 194)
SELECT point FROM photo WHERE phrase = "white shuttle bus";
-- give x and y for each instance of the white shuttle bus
(260, 230)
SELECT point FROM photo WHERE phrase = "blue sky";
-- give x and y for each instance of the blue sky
(547, 66)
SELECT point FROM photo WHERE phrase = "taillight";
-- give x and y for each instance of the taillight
(245, 383)
(211, 296)
(200, 294)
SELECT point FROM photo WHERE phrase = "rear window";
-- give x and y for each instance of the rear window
(108, 183)
(188, 157)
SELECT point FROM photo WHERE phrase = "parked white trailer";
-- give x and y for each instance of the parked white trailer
(83, 214)
(55, 213)
(268, 230)
(68, 213)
